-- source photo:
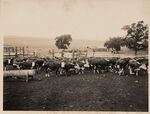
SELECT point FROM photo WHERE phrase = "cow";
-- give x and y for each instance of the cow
(121, 65)
(86, 65)
(25, 65)
(77, 68)
(139, 64)
(133, 65)
(69, 68)
(81, 65)
(10, 64)
(49, 66)
(112, 63)
(38, 64)
(142, 68)
(99, 65)
(5, 63)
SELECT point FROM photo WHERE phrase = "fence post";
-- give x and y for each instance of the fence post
(23, 51)
(34, 53)
(93, 52)
(73, 54)
(16, 52)
(9, 51)
(86, 53)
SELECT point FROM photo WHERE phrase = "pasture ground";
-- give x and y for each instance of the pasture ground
(88, 92)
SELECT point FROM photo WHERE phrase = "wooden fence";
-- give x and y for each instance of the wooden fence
(16, 52)
(68, 53)
(91, 53)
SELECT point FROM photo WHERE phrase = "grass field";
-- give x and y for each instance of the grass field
(89, 92)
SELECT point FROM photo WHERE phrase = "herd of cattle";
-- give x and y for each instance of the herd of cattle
(67, 67)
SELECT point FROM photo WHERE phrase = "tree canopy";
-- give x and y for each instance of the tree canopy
(63, 41)
(114, 43)
(137, 36)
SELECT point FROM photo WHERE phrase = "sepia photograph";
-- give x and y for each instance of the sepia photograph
(75, 55)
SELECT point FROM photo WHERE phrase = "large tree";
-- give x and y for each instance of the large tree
(114, 43)
(137, 36)
(63, 41)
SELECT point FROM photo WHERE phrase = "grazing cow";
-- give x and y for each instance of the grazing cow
(112, 63)
(77, 68)
(9, 64)
(5, 63)
(48, 70)
(99, 65)
(38, 64)
(142, 61)
(142, 68)
(86, 64)
(69, 68)
(82, 68)
(25, 65)
(133, 65)
(16, 66)
(140, 65)
(49, 66)
(92, 65)
(121, 64)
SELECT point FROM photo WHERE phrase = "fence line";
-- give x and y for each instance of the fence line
(86, 53)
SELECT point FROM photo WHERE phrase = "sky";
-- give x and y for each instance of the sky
(83, 19)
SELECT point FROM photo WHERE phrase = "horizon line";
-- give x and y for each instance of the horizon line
(40, 37)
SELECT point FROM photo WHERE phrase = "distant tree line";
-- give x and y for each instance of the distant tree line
(135, 39)
(114, 43)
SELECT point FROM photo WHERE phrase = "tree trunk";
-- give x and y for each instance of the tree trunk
(52, 53)
(62, 53)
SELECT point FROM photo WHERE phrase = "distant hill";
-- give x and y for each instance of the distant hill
(43, 45)
(48, 43)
